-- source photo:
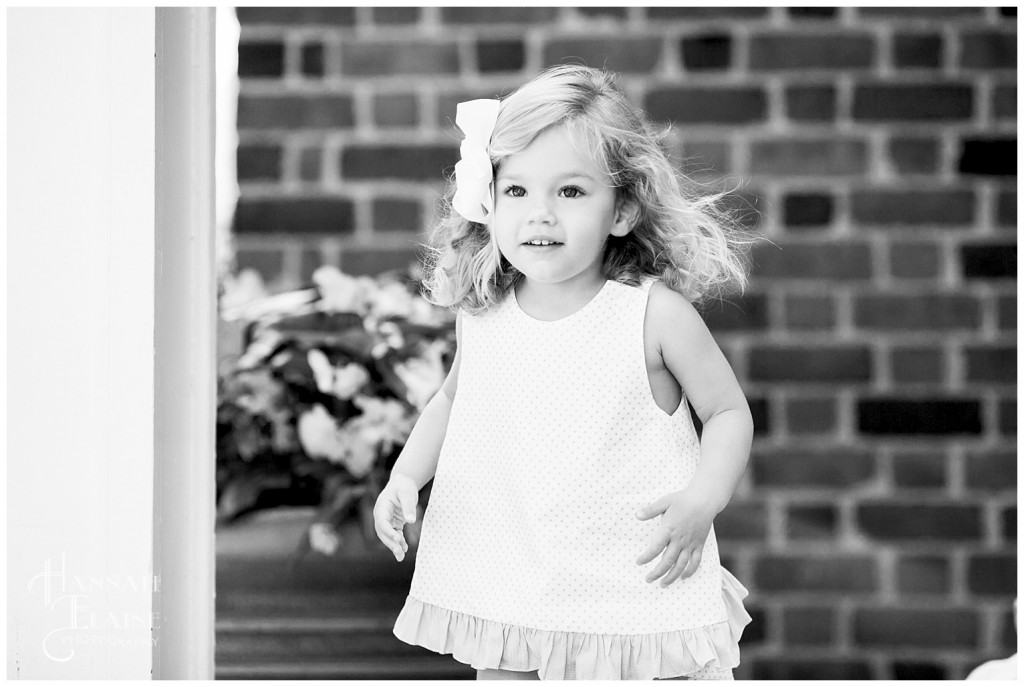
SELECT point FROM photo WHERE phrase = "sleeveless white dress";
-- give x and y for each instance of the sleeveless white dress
(527, 556)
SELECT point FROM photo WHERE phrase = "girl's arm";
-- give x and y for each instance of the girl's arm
(417, 462)
(695, 360)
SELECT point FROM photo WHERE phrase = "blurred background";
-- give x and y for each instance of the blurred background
(875, 149)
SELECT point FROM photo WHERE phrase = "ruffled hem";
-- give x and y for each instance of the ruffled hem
(488, 644)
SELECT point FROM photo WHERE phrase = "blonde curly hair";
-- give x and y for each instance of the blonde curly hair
(690, 241)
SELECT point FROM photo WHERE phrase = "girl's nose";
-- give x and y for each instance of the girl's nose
(541, 213)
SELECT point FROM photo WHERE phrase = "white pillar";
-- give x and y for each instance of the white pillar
(80, 393)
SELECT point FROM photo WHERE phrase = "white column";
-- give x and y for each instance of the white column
(80, 392)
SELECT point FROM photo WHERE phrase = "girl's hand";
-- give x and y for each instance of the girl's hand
(685, 524)
(395, 507)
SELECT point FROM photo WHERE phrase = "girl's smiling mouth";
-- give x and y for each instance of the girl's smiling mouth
(541, 242)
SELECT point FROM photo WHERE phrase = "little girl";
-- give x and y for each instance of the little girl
(563, 453)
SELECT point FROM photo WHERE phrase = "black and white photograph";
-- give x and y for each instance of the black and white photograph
(455, 342)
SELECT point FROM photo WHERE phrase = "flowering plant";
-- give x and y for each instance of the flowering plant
(318, 402)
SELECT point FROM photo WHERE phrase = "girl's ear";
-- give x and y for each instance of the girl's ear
(625, 217)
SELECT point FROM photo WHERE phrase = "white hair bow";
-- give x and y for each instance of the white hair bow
(474, 176)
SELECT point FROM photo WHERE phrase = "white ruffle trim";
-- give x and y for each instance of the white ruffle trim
(578, 655)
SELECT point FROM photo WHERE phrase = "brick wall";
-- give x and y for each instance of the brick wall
(876, 526)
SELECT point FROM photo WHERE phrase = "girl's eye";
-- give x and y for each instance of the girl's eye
(572, 191)
(515, 191)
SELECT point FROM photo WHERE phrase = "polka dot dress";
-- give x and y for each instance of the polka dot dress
(554, 442)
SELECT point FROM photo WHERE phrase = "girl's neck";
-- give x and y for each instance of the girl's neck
(554, 301)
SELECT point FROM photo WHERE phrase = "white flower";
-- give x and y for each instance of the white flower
(424, 375)
(339, 292)
(324, 538)
(239, 292)
(349, 380)
(319, 436)
(343, 382)
(260, 347)
(392, 300)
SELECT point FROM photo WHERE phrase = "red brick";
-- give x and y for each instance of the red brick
(810, 669)
(723, 105)
(808, 626)
(313, 16)
(907, 102)
(914, 155)
(1009, 524)
(755, 632)
(500, 55)
(905, 416)
(923, 575)
(992, 470)
(900, 12)
(498, 15)
(904, 521)
(801, 157)
(742, 521)
(702, 155)
(992, 575)
(812, 365)
(294, 215)
(792, 51)
(748, 312)
(915, 470)
(811, 522)
(995, 156)
(269, 263)
(1008, 633)
(313, 59)
(809, 312)
(1004, 101)
(260, 59)
(811, 103)
(912, 627)
(389, 58)
(707, 52)
(812, 13)
(258, 162)
(1006, 308)
(810, 415)
(396, 15)
(988, 49)
(833, 573)
(423, 163)
(310, 163)
(926, 312)
(619, 54)
(991, 364)
(918, 670)
(917, 364)
(807, 209)
(1006, 209)
(825, 467)
(395, 110)
(697, 13)
(945, 207)
(295, 112)
(603, 12)
(397, 214)
(843, 261)
(914, 260)
(918, 50)
(360, 260)
(1008, 417)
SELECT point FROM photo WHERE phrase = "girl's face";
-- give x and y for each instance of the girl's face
(554, 210)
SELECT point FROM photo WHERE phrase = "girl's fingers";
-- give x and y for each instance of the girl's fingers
(658, 544)
(691, 567)
(668, 559)
(685, 566)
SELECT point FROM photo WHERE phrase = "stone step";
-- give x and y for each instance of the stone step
(435, 667)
